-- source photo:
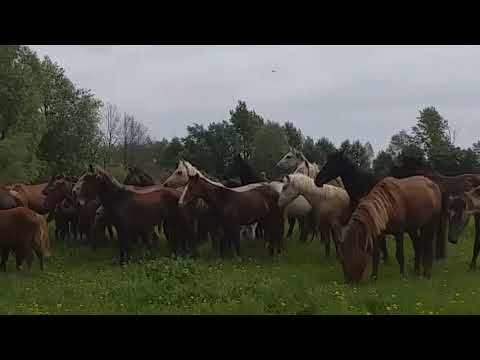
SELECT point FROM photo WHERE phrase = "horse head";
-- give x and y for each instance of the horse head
(336, 165)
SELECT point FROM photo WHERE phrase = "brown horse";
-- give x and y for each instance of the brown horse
(22, 231)
(31, 196)
(135, 214)
(233, 209)
(69, 214)
(7, 201)
(450, 186)
(391, 207)
(460, 209)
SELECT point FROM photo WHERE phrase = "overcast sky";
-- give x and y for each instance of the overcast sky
(341, 92)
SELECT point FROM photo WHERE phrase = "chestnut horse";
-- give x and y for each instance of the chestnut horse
(30, 195)
(134, 213)
(391, 207)
(358, 183)
(234, 209)
(22, 231)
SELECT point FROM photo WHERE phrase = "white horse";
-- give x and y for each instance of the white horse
(330, 204)
(295, 159)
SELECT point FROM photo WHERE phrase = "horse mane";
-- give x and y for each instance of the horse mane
(376, 209)
(192, 171)
(304, 168)
(117, 184)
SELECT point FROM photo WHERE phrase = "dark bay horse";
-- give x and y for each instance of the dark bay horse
(393, 206)
(358, 183)
(233, 209)
(135, 214)
(452, 188)
(69, 216)
(248, 175)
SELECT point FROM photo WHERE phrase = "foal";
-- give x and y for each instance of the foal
(233, 209)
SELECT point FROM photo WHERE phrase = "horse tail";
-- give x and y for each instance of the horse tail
(41, 238)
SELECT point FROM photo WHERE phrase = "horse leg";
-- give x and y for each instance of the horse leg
(383, 247)
(291, 225)
(476, 246)
(375, 261)
(234, 236)
(5, 254)
(418, 251)
(110, 231)
(427, 238)
(399, 252)
(441, 240)
(20, 256)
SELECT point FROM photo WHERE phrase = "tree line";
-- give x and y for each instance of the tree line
(48, 126)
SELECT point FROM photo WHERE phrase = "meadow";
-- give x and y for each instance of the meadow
(77, 280)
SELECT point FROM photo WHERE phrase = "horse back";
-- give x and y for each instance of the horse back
(422, 199)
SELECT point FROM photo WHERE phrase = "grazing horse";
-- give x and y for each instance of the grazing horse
(358, 183)
(30, 195)
(234, 208)
(393, 206)
(138, 177)
(136, 213)
(22, 231)
(451, 188)
(330, 204)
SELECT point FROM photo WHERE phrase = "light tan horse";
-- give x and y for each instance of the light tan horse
(330, 204)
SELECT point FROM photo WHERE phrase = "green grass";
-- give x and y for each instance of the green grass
(77, 280)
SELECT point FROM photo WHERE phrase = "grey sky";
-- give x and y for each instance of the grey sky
(341, 92)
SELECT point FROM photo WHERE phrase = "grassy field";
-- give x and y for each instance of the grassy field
(303, 281)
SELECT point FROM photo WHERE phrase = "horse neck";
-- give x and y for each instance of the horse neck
(357, 183)
(111, 194)
(308, 191)
(212, 194)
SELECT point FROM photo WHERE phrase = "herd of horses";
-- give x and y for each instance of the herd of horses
(337, 202)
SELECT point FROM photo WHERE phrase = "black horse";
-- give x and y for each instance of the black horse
(358, 184)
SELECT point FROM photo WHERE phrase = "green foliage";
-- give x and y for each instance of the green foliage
(269, 145)
(432, 132)
(294, 135)
(303, 281)
(246, 124)
(382, 164)
(360, 154)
